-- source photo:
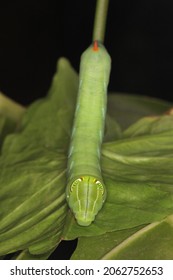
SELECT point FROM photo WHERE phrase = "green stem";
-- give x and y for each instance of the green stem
(100, 20)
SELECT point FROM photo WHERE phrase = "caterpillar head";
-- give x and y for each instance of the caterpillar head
(85, 197)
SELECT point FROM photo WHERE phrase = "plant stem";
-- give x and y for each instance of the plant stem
(100, 20)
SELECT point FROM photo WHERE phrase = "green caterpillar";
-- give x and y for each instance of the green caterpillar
(85, 190)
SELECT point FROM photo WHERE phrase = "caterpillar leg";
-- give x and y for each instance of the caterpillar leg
(85, 197)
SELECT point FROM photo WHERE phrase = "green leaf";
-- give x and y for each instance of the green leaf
(25, 255)
(95, 247)
(112, 129)
(150, 125)
(33, 170)
(10, 109)
(11, 114)
(154, 241)
(126, 109)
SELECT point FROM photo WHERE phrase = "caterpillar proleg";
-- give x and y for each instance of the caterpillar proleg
(85, 190)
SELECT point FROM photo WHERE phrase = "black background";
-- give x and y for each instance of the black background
(34, 34)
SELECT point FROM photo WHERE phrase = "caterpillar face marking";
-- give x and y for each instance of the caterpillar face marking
(87, 195)
(75, 183)
(85, 190)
